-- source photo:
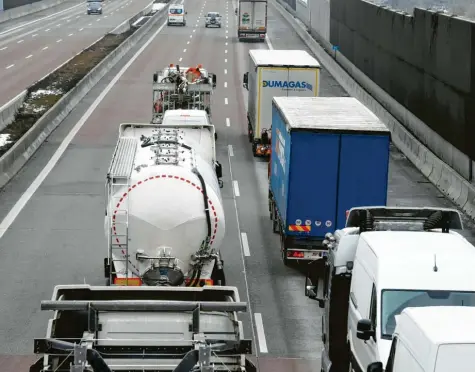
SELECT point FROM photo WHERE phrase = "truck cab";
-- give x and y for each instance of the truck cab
(384, 260)
(432, 339)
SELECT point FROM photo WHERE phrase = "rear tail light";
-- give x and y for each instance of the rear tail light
(295, 254)
(131, 282)
(200, 283)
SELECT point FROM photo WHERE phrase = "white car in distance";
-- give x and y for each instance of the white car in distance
(213, 19)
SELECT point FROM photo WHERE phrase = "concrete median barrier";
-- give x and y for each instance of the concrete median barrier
(446, 179)
(17, 156)
(9, 109)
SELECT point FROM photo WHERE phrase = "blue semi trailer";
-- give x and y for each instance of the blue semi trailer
(329, 154)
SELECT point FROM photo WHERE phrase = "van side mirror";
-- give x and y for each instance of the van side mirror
(375, 367)
(364, 329)
(155, 77)
(245, 80)
(311, 291)
(215, 136)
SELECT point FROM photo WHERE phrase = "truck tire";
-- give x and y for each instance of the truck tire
(254, 150)
(283, 253)
(275, 224)
(218, 277)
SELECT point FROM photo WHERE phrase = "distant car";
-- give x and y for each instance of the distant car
(213, 19)
(94, 6)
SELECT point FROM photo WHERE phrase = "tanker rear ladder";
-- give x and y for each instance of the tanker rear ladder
(118, 184)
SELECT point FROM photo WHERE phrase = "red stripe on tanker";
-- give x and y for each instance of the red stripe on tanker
(156, 211)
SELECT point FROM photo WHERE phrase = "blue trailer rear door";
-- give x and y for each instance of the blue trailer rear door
(312, 193)
(363, 178)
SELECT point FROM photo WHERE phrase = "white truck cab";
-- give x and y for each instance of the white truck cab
(176, 15)
(385, 260)
(432, 339)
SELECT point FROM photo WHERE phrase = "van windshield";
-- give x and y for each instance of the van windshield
(176, 11)
(394, 301)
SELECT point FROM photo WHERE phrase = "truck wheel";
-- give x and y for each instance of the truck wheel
(254, 150)
(283, 252)
(218, 277)
(275, 224)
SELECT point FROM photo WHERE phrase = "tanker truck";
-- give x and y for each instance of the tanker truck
(142, 329)
(164, 213)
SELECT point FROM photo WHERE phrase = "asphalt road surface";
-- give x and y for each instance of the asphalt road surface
(31, 48)
(52, 230)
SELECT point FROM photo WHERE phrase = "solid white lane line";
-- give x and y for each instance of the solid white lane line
(230, 150)
(269, 44)
(26, 196)
(261, 337)
(245, 245)
(236, 188)
(39, 19)
(228, 122)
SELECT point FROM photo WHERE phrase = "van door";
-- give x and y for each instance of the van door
(401, 359)
(362, 305)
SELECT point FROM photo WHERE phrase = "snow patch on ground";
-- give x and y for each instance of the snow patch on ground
(4, 139)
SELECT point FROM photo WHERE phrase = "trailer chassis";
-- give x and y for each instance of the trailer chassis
(292, 247)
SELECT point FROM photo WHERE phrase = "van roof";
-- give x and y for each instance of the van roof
(176, 6)
(283, 58)
(415, 251)
(440, 324)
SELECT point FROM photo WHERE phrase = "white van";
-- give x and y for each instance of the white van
(432, 339)
(394, 270)
(176, 15)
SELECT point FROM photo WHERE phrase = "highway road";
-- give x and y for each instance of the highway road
(31, 48)
(52, 212)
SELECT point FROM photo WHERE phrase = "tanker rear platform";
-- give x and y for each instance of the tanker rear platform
(53, 233)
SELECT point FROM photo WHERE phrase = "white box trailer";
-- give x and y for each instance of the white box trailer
(275, 73)
(252, 20)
